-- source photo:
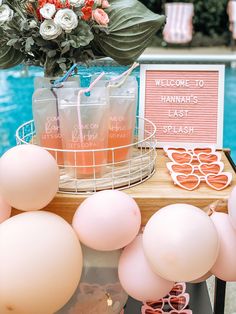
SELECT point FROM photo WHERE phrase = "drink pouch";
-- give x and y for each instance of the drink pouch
(123, 95)
(122, 117)
(84, 128)
(47, 82)
(46, 119)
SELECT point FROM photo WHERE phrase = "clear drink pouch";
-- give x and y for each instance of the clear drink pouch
(84, 128)
(123, 97)
(46, 118)
(122, 118)
(46, 82)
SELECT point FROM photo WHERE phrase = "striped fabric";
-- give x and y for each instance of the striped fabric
(179, 27)
(232, 17)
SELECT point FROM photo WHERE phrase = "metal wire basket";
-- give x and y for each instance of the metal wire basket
(82, 172)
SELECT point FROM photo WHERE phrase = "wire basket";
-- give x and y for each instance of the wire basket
(84, 173)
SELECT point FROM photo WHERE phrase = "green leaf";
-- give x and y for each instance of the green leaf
(51, 53)
(12, 41)
(63, 66)
(10, 57)
(82, 35)
(28, 43)
(130, 30)
(61, 60)
(65, 49)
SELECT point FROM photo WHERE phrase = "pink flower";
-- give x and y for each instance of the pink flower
(100, 16)
(105, 4)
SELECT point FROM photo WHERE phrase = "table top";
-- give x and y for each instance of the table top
(153, 194)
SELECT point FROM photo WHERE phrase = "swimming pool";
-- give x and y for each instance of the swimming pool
(17, 86)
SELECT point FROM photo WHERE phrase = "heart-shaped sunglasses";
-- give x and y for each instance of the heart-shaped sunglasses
(177, 304)
(192, 181)
(200, 169)
(176, 299)
(186, 157)
(194, 150)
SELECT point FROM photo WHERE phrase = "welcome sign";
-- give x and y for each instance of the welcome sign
(185, 102)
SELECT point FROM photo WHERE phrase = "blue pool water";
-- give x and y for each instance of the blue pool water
(16, 89)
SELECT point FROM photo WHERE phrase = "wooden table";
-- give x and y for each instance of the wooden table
(154, 194)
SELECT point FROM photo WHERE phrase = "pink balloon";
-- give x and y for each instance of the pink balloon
(203, 278)
(180, 242)
(40, 264)
(5, 210)
(136, 276)
(232, 207)
(225, 266)
(29, 177)
(107, 220)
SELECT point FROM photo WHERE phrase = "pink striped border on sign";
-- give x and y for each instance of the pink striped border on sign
(185, 102)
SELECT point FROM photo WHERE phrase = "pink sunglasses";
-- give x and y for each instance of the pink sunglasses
(186, 157)
(176, 303)
(192, 181)
(195, 150)
(147, 310)
(200, 169)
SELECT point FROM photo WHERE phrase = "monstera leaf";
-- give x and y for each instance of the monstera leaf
(130, 30)
(9, 57)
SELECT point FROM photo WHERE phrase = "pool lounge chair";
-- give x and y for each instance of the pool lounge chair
(179, 26)
(231, 10)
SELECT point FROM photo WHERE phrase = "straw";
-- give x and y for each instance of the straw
(124, 75)
(58, 82)
(83, 91)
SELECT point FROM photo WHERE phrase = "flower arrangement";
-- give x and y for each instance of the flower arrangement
(58, 33)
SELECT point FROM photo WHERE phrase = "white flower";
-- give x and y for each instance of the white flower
(49, 30)
(77, 3)
(6, 14)
(66, 19)
(48, 10)
(0, 2)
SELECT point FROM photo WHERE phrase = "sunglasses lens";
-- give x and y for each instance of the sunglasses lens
(206, 150)
(156, 304)
(218, 181)
(177, 149)
(178, 303)
(208, 158)
(188, 182)
(150, 311)
(181, 312)
(210, 169)
(177, 290)
(183, 168)
(181, 158)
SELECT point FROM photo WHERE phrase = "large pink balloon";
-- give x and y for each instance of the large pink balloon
(5, 210)
(107, 220)
(232, 207)
(136, 276)
(40, 264)
(203, 278)
(180, 242)
(225, 266)
(29, 177)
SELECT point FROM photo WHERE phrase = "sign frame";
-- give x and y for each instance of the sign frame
(185, 68)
